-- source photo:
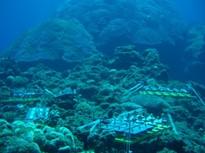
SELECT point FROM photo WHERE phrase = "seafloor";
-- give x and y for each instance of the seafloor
(97, 88)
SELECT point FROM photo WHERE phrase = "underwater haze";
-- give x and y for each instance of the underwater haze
(18, 16)
(102, 76)
(192, 10)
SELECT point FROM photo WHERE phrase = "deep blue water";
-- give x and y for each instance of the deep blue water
(18, 16)
(193, 11)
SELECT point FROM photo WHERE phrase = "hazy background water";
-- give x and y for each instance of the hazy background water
(17, 16)
(193, 11)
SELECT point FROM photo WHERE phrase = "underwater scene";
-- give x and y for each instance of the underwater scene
(102, 76)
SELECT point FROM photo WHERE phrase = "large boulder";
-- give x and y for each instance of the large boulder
(53, 40)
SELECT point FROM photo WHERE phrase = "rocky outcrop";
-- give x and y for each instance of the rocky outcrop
(56, 39)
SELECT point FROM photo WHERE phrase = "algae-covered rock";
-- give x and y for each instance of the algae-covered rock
(53, 40)
(19, 145)
(5, 91)
(24, 137)
(17, 81)
(152, 103)
(125, 56)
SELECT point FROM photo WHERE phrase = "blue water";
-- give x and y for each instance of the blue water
(193, 11)
(18, 16)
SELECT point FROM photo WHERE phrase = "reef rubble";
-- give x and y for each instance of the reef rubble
(42, 108)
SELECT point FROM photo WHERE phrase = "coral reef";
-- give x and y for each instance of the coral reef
(98, 87)
(21, 137)
(64, 83)
(121, 22)
(53, 40)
